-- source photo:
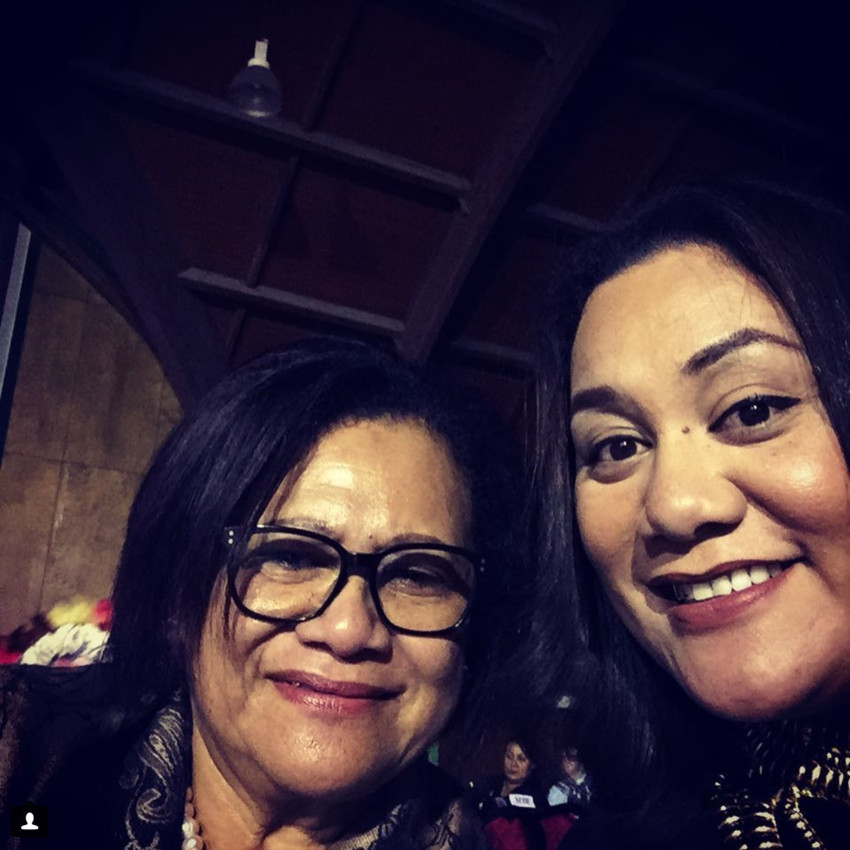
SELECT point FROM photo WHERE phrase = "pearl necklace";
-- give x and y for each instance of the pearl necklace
(191, 828)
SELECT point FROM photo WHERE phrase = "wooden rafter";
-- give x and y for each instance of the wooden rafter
(309, 120)
(512, 15)
(252, 133)
(552, 80)
(742, 109)
(562, 219)
(288, 170)
(290, 303)
(336, 315)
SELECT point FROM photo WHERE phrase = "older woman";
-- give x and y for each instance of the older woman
(308, 585)
(695, 421)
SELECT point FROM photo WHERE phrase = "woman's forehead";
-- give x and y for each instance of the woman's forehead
(395, 475)
(670, 305)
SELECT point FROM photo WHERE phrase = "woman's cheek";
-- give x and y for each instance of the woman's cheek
(813, 495)
(606, 533)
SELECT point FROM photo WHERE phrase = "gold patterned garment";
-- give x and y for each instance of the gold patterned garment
(795, 792)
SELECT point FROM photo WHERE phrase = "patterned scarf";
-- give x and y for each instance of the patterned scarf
(795, 792)
(421, 812)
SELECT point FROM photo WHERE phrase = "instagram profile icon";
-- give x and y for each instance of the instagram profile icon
(29, 821)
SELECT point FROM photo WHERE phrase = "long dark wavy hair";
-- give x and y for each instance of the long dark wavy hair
(642, 737)
(223, 463)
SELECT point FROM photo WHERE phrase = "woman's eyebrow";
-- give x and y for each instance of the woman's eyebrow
(711, 354)
(603, 398)
(320, 527)
(413, 539)
(304, 523)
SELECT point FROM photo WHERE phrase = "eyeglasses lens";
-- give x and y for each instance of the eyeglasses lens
(424, 589)
(286, 576)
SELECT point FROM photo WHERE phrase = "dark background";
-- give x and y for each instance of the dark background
(431, 163)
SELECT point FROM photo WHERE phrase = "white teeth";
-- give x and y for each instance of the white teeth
(759, 575)
(702, 591)
(721, 586)
(739, 579)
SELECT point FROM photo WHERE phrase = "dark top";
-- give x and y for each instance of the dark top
(598, 830)
(790, 791)
(492, 808)
(488, 802)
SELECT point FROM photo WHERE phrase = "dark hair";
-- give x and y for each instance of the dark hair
(639, 733)
(521, 743)
(223, 463)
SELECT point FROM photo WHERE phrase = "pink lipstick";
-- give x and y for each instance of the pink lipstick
(333, 696)
(695, 615)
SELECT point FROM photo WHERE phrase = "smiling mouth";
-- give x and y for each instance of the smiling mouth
(332, 688)
(724, 584)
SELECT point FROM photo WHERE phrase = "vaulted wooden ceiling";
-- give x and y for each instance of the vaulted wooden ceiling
(432, 160)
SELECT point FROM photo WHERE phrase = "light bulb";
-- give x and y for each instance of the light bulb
(255, 89)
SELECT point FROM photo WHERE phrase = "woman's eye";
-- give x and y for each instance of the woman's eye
(276, 558)
(290, 561)
(615, 449)
(431, 576)
(754, 412)
(415, 576)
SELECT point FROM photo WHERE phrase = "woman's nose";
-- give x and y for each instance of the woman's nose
(349, 625)
(690, 492)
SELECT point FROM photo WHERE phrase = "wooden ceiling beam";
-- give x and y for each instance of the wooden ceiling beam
(513, 16)
(682, 87)
(288, 170)
(287, 303)
(553, 78)
(331, 67)
(562, 218)
(491, 353)
(555, 217)
(291, 303)
(253, 133)
(120, 213)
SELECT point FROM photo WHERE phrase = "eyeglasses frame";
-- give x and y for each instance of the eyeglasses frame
(363, 564)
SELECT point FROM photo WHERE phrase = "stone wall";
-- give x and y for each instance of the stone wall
(90, 407)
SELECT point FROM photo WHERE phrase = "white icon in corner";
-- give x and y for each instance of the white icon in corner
(30, 818)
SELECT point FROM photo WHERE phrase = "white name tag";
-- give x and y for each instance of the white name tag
(522, 801)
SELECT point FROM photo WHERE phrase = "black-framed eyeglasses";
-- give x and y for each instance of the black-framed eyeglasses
(280, 574)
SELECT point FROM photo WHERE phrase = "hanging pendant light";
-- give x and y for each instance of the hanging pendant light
(255, 89)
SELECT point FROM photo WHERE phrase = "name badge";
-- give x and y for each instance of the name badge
(522, 801)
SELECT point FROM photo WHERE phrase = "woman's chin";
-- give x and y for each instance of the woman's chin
(333, 781)
(744, 709)
(763, 674)
(753, 700)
